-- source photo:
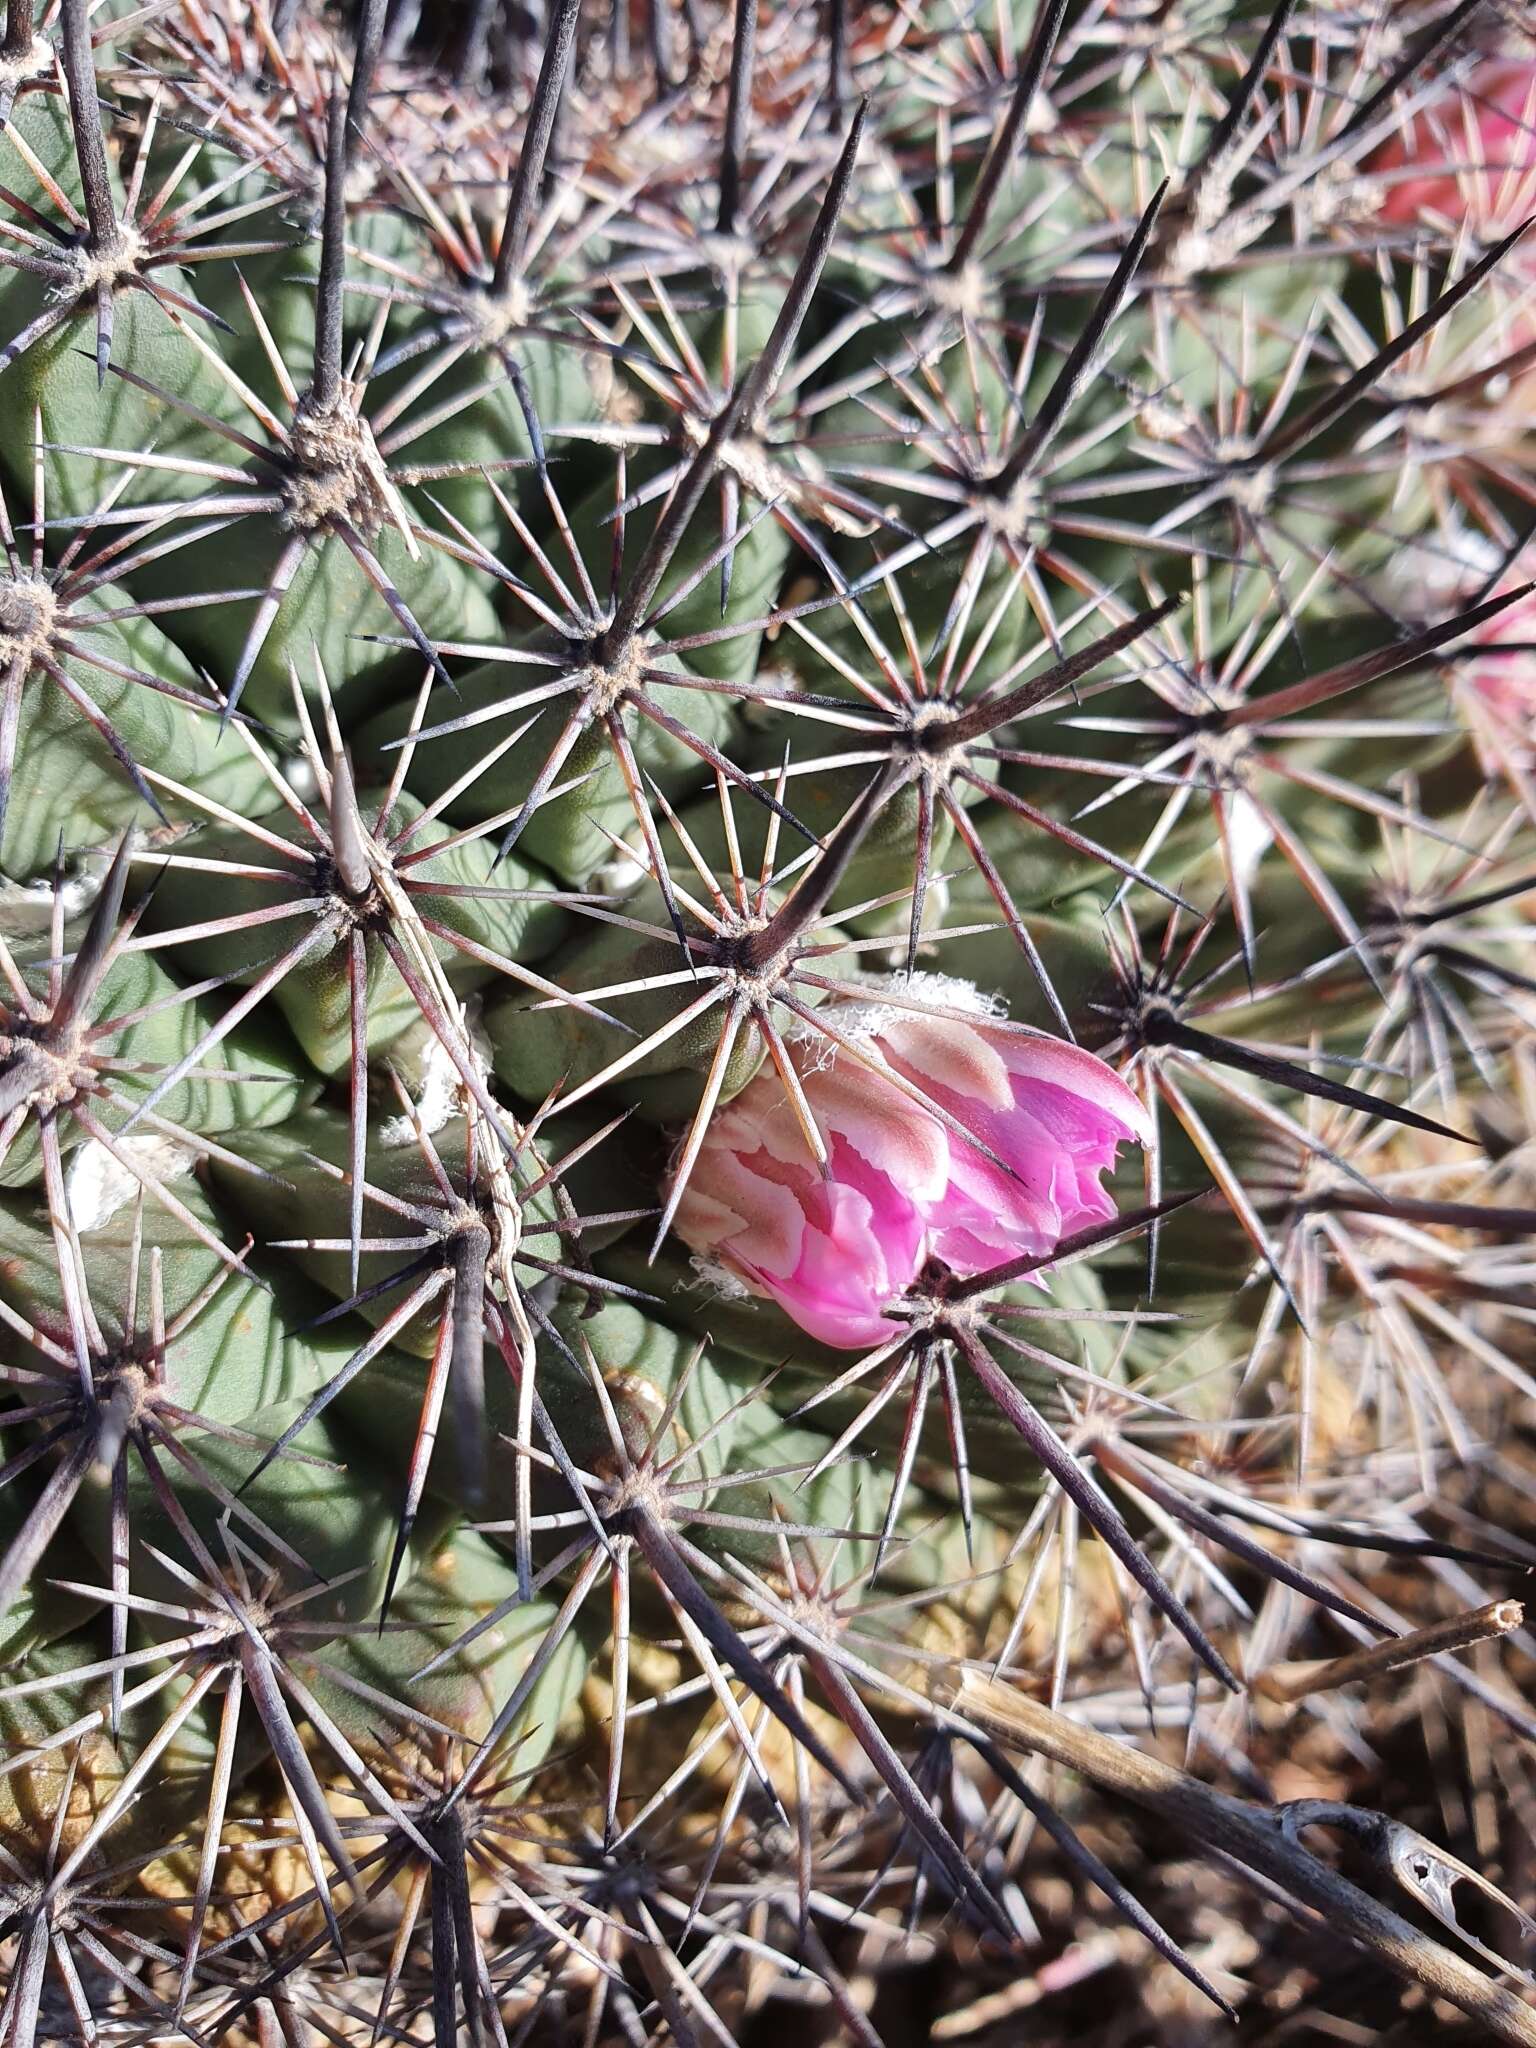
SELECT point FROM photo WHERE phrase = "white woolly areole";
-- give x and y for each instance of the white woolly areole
(439, 1092)
(27, 907)
(865, 1021)
(713, 1278)
(621, 875)
(35, 62)
(85, 270)
(97, 1185)
(1248, 835)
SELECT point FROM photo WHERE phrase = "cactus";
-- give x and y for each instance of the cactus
(767, 811)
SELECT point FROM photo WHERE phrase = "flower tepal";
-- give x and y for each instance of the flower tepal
(1470, 156)
(904, 1183)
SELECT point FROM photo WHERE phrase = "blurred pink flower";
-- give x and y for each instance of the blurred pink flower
(1500, 680)
(835, 1250)
(1470, 154)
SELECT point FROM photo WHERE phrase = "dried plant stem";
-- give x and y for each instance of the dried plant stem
(1237, 1828)
(1288, 1682)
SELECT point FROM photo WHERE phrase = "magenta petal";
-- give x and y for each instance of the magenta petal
(856, 1261)
(838, 1251)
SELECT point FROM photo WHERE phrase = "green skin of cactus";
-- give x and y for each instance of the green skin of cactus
(765, 458)
(758, 562)
(929, 1541)
(1227, 303)
(1001, 628)
(315, 996)
(283, 281)
(292, 1196)
(68, 789)
(758, 1489)
(757, 571)
(1327, 495)
(886, 857)
(1042, 202)
(302, 1199)
(263, 1086)
(909, 326)
(535, 1049)
(42, 1612)
(57, 380)
(239, 1365)
(329, 608)
(1040, 872)
(757, 1330)
(931, 346)
(640, 1360)
(1216, 323)
(453, 1590)
(1222, 322)
(726, 345)
(40, 118)
(488, 432)
(381, 1409)
(1445, 776)
(931, 1548)
(1295, 937)
(339, 1516)
(330, 602)
(1070, 946)
(568, 833)
(1300, 513)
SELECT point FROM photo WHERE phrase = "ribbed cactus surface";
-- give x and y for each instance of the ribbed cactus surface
(767, 1054)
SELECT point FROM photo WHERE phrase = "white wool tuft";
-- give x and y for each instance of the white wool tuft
(27, 907)
(439, 1095)
(622, 875)
(97, 1185)
(713, 1278)
(1249, 835)
(864, 1021)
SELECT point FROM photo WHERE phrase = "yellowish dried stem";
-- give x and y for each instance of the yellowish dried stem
(1287, 1682)
(1250, 1836)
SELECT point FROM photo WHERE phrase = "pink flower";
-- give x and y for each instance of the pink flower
(834, 1251)
(1469, 154)
(1500, 681)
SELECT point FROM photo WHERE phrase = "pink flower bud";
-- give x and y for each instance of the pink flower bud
(1468, 156)
(835, 1250)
